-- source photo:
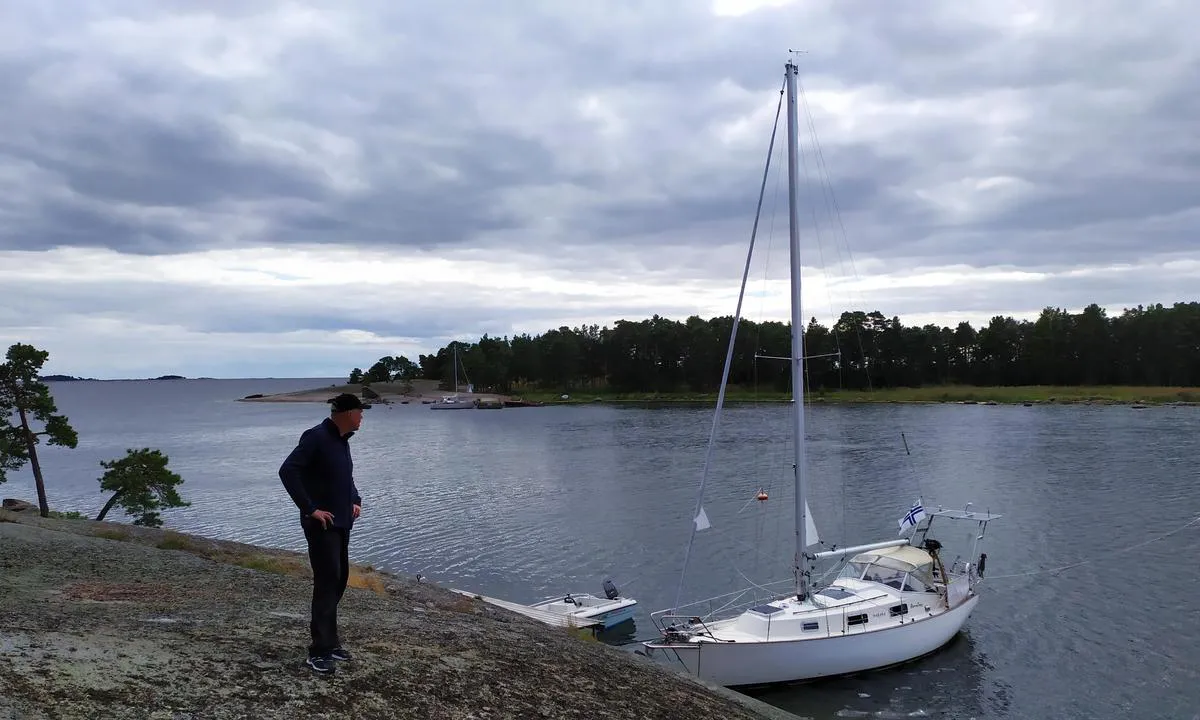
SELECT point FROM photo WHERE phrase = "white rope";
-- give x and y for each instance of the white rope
(739, 592)
(1056, 570)
(764, 588)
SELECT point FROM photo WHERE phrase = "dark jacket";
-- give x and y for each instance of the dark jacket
(319, 475)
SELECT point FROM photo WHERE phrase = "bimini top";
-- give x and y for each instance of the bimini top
(905, 558)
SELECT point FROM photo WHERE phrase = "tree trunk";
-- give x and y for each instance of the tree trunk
(31, 443)
(108, 505)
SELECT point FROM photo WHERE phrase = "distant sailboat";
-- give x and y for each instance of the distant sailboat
(453, 402)
(893, 601)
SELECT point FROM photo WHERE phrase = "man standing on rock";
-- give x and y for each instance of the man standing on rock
(319, 476)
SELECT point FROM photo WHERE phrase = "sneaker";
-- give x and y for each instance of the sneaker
(321, 664)
(341, 653)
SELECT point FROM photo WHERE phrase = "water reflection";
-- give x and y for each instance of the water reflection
(521, 504)
(623, 633)
(947, 683)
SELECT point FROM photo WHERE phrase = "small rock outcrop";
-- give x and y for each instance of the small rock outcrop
(14, 505)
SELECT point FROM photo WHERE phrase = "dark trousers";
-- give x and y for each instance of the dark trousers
(328, 552)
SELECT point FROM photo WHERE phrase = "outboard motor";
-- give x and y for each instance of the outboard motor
(982, 563)
(610, 590)
(932, 547)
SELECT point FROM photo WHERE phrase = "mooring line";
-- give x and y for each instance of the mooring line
(1181, 528)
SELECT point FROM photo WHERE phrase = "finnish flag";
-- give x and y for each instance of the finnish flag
(914, 516)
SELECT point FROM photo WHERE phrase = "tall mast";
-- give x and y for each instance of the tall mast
(799, 565)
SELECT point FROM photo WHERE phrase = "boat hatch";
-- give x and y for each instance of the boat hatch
(834, 596)
(836, 593)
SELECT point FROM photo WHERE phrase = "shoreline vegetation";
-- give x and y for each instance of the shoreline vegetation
(72, 378)
(1143, 347)
(426, 391)
(110, 620)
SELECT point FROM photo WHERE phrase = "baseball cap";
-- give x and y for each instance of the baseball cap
(347, 401)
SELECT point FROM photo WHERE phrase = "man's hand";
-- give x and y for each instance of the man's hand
(323, 516)
(357, 510)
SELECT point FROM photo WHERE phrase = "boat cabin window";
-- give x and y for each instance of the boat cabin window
(899, 579)
(854, 570)
(919, 583)
(886, 576)
(903, 568)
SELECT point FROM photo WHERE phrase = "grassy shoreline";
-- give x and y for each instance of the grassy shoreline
(426, 391)
(1006, 395)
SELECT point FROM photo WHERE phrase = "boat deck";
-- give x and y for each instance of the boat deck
(549, 618)
(825, 613)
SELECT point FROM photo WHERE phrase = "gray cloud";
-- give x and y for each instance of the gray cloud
(610, 141)
(499, 120)
(426, 312)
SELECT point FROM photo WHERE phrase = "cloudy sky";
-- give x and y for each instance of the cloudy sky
(292, 189)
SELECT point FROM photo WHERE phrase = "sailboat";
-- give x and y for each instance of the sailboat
(893, 600)
(453, 402)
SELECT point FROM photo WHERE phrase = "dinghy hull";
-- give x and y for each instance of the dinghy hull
(588, 607)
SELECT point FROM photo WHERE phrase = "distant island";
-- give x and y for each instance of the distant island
(72, 378)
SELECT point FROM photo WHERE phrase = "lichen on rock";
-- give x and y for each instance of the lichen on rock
(107, 620)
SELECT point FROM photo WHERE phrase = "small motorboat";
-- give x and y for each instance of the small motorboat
(611, 610)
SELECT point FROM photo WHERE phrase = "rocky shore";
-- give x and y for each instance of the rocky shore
(419, 392)
(416, 392)
(116, 621)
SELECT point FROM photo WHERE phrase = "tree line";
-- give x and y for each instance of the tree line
(140, 482)
(1152, 346)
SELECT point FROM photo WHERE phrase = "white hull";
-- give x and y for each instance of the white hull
(612, 618)
(453, 405)
(608, 612)
(758, 663)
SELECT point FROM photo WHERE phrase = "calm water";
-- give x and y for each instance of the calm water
(526, 503)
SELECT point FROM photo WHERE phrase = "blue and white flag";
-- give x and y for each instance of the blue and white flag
(914, 516)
